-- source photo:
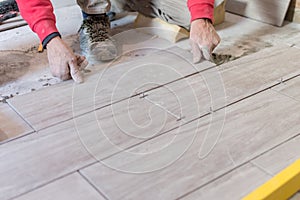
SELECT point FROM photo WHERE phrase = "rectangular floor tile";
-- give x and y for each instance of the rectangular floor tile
(265, 68)
(241, 77)
(287, 153)
(290, 88)
(12, 125)
(67, 147)
(218, 87)
(72, 187)
(36, 159)
(97, 135)
(103, 88)
(233, 186)
(279, 158)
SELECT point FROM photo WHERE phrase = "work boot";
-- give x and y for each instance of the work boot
(95, 42)
(7, 6)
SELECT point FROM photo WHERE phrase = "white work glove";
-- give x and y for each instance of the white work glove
(63, 63)
(203, 39)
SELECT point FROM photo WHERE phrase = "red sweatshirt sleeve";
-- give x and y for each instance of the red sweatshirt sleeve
(39, 15)
(201, 9)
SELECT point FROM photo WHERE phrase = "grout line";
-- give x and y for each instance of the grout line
(261, 168)
(125, 98)
(42, 185)
(284, 94)
(53, 180)
(188, 122)
(258, 92)
(151, 89)
(177, 117)
(229, 171)
(132, 146)
(22, 135)
(92, 185)
(203, 185)
(16, 138)
(238, 166)
(157, 87)
(27, 122)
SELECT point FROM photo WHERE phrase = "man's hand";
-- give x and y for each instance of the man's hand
(63, 63)
(203, 39)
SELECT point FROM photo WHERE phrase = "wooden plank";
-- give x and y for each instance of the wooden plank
(156, 26)
(12, 23)
(71, 187)
(109, 85)
(11, 125)
(252, 127)
(282, 186)
(293, 13)
(268, 11)
(219, 12)
(234, 185)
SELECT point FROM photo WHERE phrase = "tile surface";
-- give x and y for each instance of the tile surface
(12, 125)
(109, 85)
(151, 134)
(251, 128)
(237, 79)
(233, 186)
(290, 89)
(279, 158)
(72, 187)
(34, 160)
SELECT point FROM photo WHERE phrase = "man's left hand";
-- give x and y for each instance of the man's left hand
(203, 39)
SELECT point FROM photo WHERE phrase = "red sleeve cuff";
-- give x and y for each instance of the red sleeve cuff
(44, 28)
(39, 15)
(203, 9)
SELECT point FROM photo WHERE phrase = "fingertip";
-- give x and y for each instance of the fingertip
(196, 59)
(64, 77)
(77, 77)
(206, 53)
(197, 55)
(83, 64)
(74, 72)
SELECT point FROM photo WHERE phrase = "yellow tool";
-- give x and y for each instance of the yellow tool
(40, 49)
(280, 187)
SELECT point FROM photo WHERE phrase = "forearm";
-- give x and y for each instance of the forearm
(39, 16)
(201, 9)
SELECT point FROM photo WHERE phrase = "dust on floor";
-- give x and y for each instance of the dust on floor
(24, 71)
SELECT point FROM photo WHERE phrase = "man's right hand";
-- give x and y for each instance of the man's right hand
(63, 63)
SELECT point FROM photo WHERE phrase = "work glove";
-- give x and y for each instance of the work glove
(63, 63)
(203, 39)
